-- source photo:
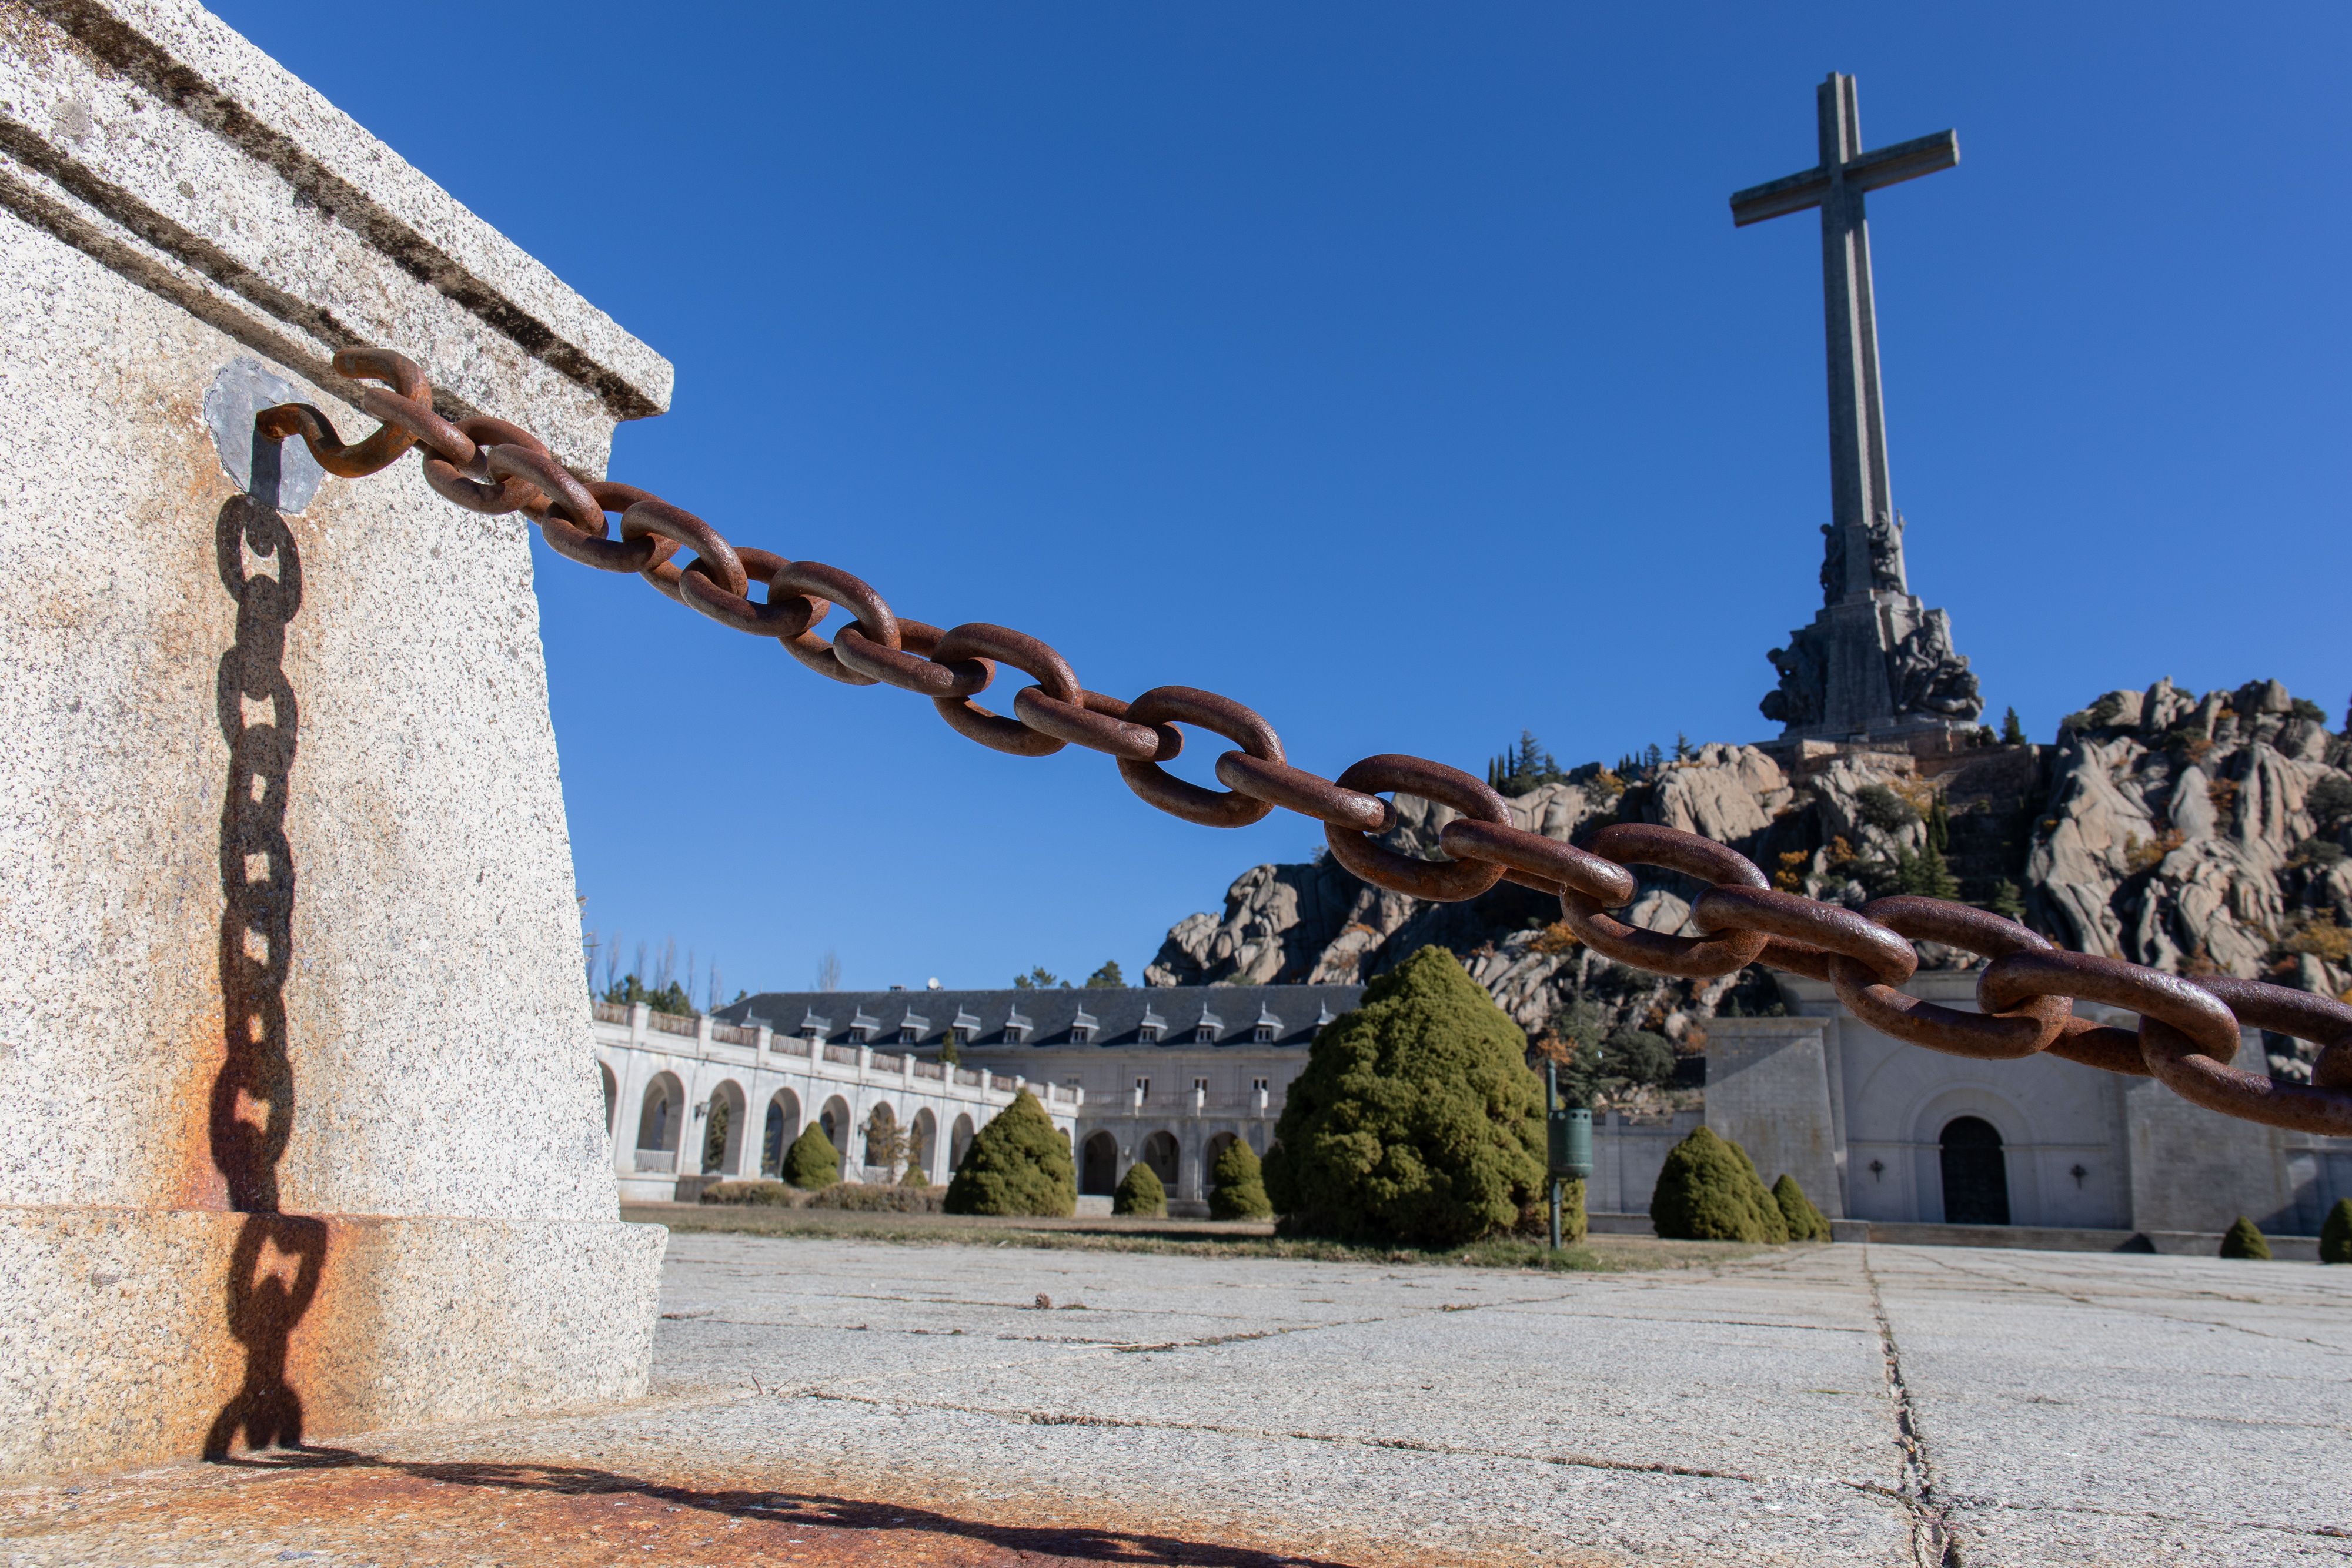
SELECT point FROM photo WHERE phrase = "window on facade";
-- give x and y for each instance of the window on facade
(1143, 1089)
(1201, 1085)
(1259, 1084)
(1264, 1034)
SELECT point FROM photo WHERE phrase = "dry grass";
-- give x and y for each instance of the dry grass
(1180, 1238)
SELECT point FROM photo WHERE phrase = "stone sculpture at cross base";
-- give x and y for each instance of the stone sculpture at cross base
(1875, 665)
(300, 1131)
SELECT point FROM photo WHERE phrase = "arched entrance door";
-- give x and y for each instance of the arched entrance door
(1975, 1173)
(1099, 1168)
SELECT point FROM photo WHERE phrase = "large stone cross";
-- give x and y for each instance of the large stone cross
(1865, 548)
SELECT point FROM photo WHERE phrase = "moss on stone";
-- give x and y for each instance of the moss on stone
(1708, 1191)
(1140, 1193)
(813, 1162)
(2244, 1240)
(1017, 1164)
(1417, 1120)
(1805, 1222)
(1237, 1189)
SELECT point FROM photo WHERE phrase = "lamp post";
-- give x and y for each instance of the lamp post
(1569, 1143)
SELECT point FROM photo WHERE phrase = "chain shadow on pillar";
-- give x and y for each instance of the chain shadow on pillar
(276, 1264)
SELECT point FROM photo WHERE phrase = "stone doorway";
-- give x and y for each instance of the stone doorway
(1975, 1173)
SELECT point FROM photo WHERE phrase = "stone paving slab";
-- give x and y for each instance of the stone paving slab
(814, 1397)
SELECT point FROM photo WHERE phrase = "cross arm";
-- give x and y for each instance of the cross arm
(1904, 161)
(1778, 198)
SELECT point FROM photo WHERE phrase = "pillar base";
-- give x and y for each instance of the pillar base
(134, 1336)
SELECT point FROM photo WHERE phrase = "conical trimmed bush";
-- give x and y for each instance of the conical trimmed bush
(813, 1162)
(1806, 1223)
(1417, 1120)
(1017, 1164)
(1708, 1191)
(1140, 1193)
(1239, 1185)
(2336, 1233)
(2244, 1240)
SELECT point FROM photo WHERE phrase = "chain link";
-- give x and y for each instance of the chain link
(2188, 1030)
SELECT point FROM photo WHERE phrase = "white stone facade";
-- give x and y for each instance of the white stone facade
(1863, 1120)
(664, 1073)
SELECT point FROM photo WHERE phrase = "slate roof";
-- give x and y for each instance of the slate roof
(1079, 1018)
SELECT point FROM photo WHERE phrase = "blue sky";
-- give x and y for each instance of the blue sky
(1395, 370)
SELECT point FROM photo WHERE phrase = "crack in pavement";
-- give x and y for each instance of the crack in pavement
(1933, 1544)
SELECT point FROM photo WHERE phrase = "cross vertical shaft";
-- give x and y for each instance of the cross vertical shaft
(1860, 506)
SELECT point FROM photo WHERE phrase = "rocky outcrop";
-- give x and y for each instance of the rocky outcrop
(2195, 834)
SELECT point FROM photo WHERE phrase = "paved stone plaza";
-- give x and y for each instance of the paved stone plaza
(2062, 1408)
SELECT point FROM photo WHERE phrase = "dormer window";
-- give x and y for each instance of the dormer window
(813, 1027)
(912, 1026)
(1206, 1031)
(1267, 1026)
(1016, 1027)
(863, 1028)
(906, 1034)
(1148, 1034)
(965, 1028)
(1081, 1033)
(810, 1031)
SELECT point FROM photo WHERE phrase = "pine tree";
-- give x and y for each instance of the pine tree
(1107, 976)
(2011, 732)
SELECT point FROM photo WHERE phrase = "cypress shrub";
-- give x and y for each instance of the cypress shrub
(1238, 1185)
(2336, 1233)
(1708, 1191)
(812, 1161)
(1806, 1223)
(1140, 1193)
(1417, 1120)
(1536, 1219)
(2244, 1240)
(1017, 1164)
(914, 1176)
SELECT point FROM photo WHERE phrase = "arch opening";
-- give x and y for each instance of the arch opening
(1975, 1171)
(659, 1122)
(923, 1144)
(1099, 1166)
(782, 1125)
(722, 1131)
(959, 1143)
(1159, 1152)
(611, 1097)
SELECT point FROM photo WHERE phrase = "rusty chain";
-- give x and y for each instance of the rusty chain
(2188, 1030)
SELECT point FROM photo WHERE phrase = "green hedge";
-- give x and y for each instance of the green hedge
(1017, 1164)
(1140, 1193)
(1708, 1191)
(1238, 1185)
(762, 1193)
(1416, 1121)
